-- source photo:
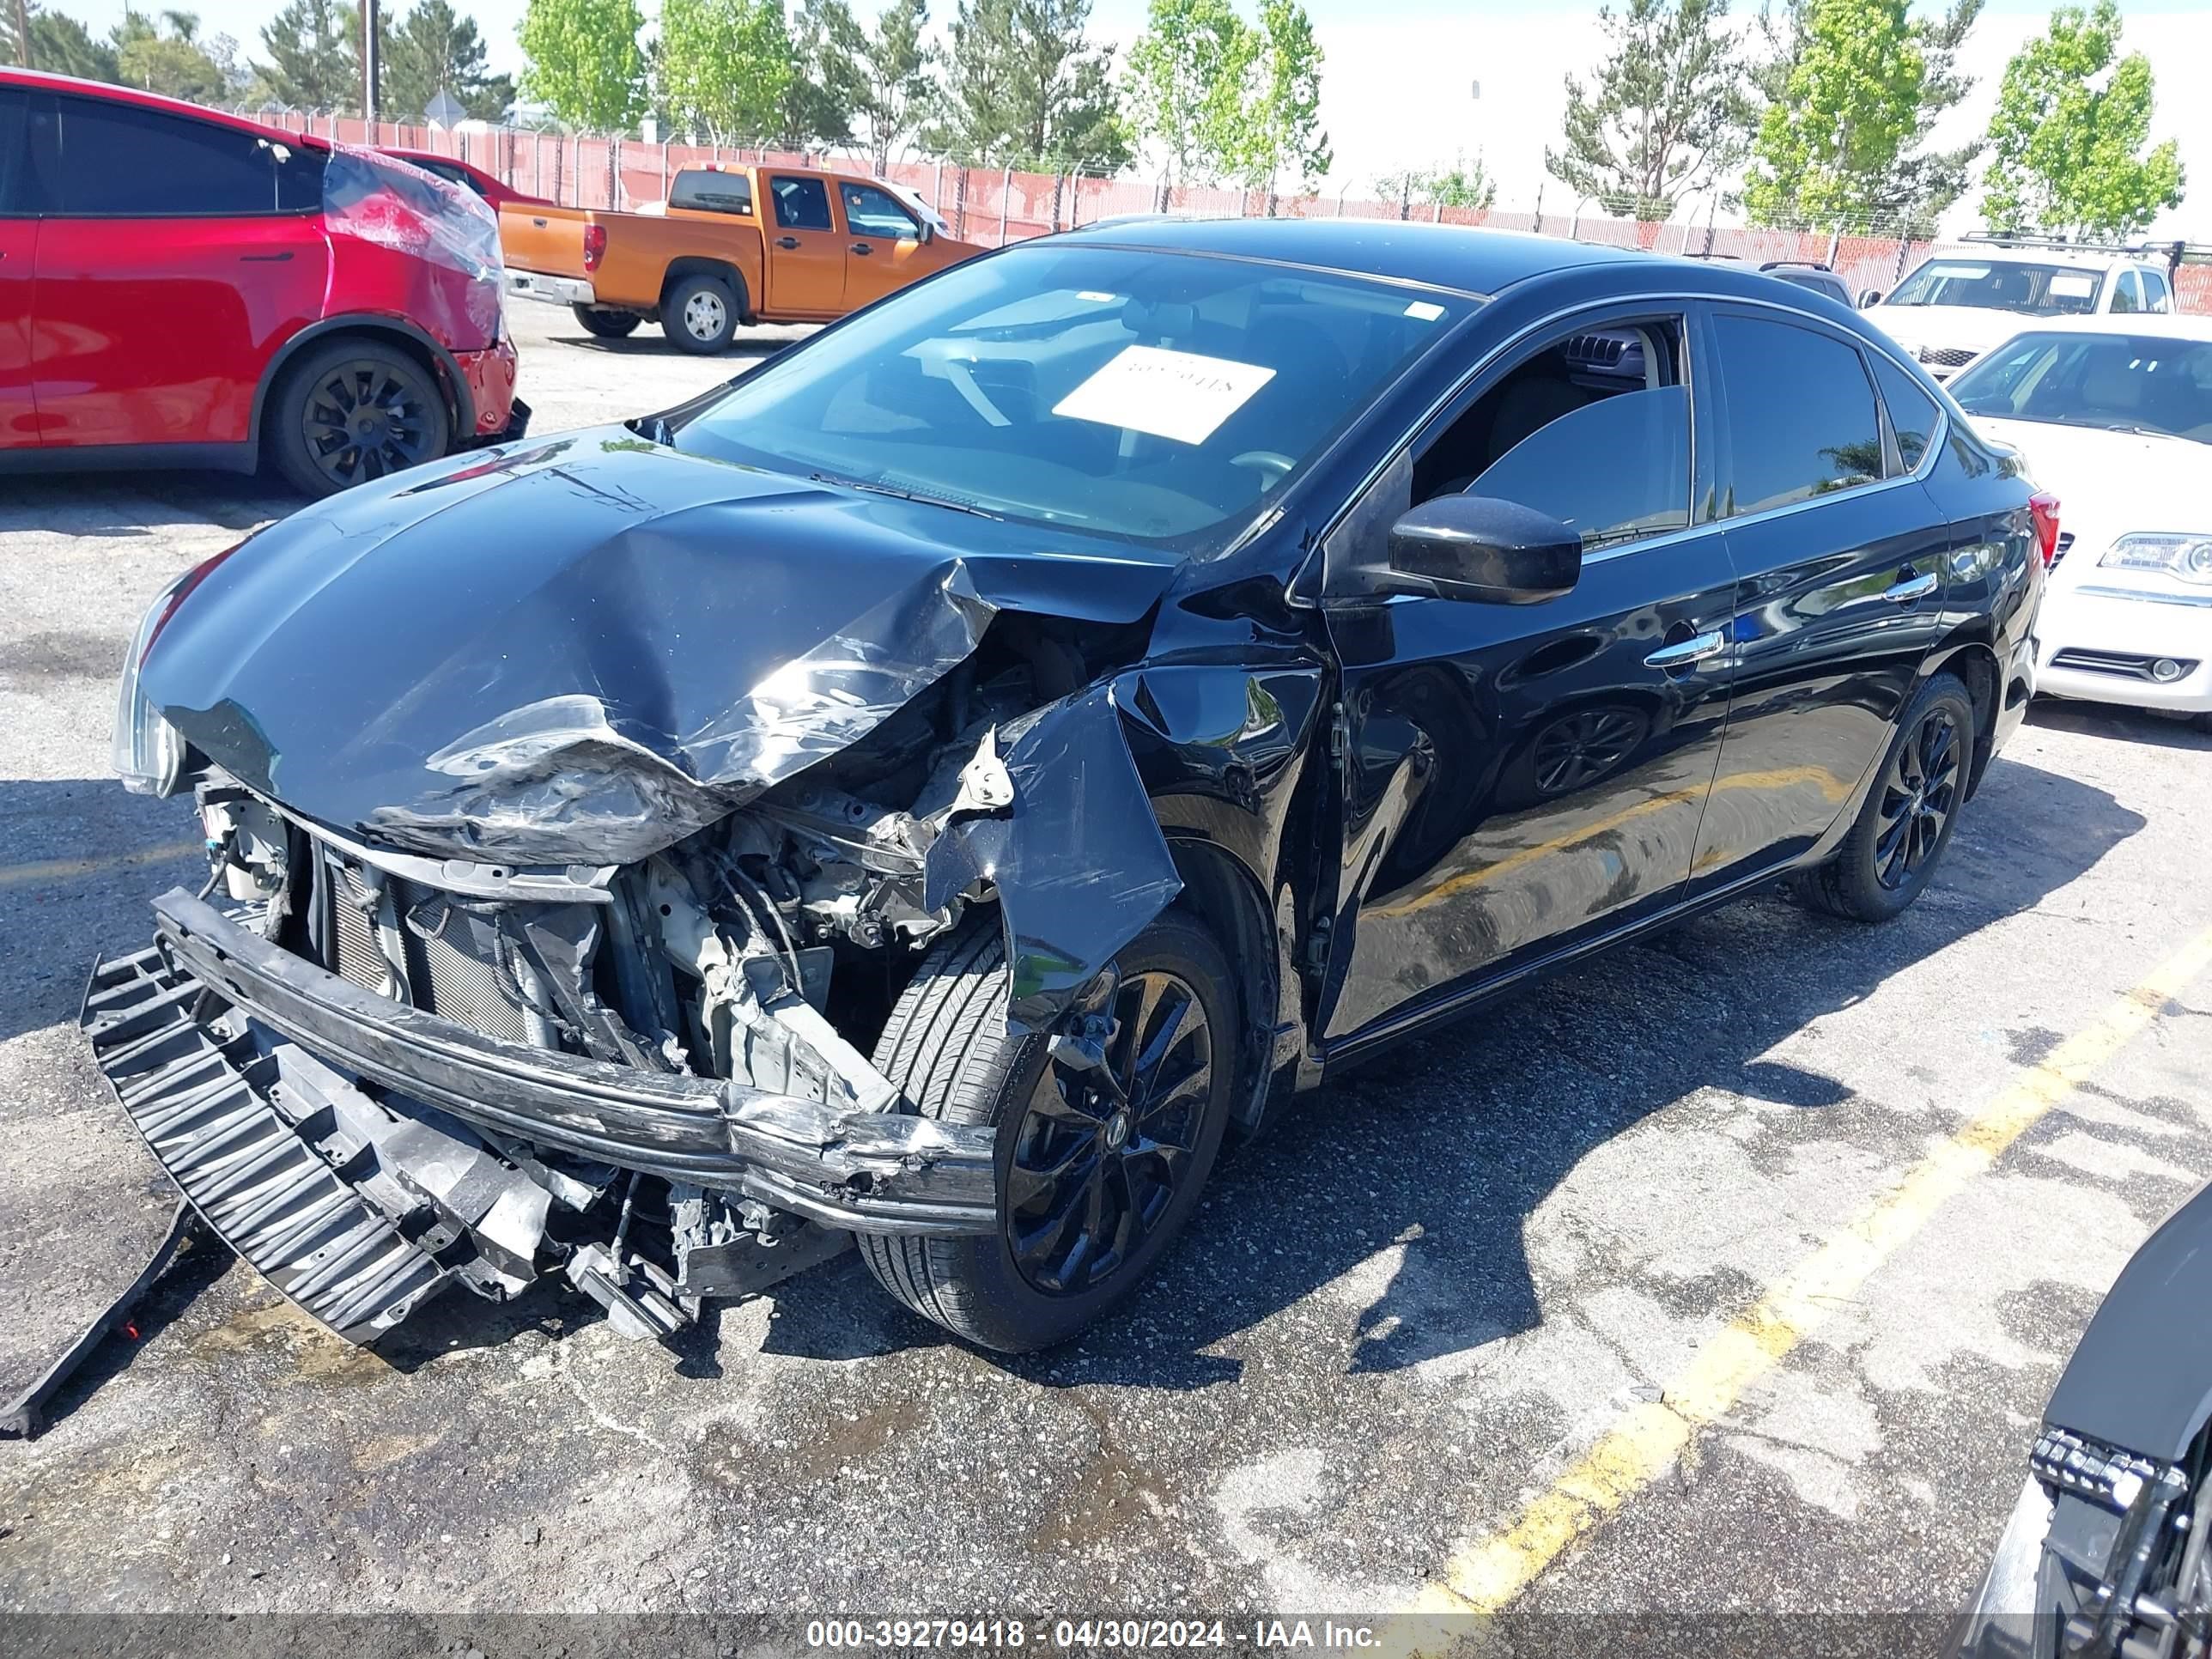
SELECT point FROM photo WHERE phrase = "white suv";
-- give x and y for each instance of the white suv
(1956, 304)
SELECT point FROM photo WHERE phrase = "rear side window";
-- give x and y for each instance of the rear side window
(2127, 293)
(1801, 415)
(871, 212)
(15, 154)
(1912, 411)
(2156, 296)
(801, 204)
(710, 192)
(117, 161)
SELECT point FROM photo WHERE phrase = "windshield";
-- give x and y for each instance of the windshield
(2001, 285)
(2123, 382)
(1162, 398)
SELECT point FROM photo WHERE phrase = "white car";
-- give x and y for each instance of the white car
(1956, 305)
(2114, 417)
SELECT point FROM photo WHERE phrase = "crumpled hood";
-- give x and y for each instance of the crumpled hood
(582, 651)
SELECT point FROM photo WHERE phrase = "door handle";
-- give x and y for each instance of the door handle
(1910, 588)
(860, 247)
(540, 223)
(1683, 652)
(787, 241)
(262, 259)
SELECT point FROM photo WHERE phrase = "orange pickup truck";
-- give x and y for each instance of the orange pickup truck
(707, 259)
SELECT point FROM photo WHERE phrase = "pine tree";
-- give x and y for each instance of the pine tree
(435, 49)
(59, 45)
(893, 94)
(1664, 115)
(1027, 89)
(313, 58)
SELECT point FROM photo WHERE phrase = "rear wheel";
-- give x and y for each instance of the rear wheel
(605, 323)
(1099, 1169)
(1906, 823)
(355, 411)
(699, 314)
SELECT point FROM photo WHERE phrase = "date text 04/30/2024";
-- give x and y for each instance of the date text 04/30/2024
(1126, 1633)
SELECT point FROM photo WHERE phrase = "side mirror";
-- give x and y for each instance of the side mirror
(928, 234)
(1869, 298)
(1482, 549)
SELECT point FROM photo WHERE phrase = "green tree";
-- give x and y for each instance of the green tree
(1028, 89)
(1920, 184)
(1186, 83)
(2072, 119)
(59, 45)
(723, 68)
(582, 60)
(1465, 183)
(1663, 116)
(894, 94)
(1830, 149)
(314, 62)
(1277, 128)
(166, 57)
(816, 109)
(434, 49)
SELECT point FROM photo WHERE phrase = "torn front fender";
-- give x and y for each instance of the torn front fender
(1079, 862)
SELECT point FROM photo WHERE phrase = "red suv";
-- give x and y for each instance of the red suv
(182, 288)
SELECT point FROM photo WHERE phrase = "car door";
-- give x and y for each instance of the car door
(806, 254)
(18, 246)
(177, 256)
(885, 249)
(1840, 556)
(1518, 780)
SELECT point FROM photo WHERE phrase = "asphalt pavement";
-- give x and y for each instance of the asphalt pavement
(1727, 1274)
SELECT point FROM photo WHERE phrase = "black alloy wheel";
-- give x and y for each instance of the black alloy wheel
(1101, 1151)
(1574, 752)
(368, 417)
(1918, 798)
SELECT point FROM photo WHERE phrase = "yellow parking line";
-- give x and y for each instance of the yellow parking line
(1486, 1574)
(45, 870)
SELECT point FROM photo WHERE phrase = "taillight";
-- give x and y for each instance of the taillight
(595, 245)
(2044, 507)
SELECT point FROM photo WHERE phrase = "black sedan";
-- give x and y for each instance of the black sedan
(934, 788)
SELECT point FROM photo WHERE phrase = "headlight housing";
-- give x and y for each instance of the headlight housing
(2177, 553)
(148, 752)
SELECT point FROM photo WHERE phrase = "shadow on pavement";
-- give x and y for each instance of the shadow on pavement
(2117, 724)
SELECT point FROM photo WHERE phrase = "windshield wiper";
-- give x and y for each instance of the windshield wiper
(903, 494)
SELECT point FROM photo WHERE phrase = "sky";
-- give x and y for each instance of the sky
(1399, 76)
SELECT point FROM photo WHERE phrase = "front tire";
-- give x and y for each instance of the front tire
(699, 315)
(1092, 1188)
(606, 324)
(355, 411)
(1892, 851)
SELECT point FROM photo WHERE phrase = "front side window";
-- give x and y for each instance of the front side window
(870, 212)
(1913, 412)
(2119, 382)
(1157, 397)
(2034, 290)
(2127, 293)
(118, 162)
(16, 192)
(1593, 429)
(1801, 415)
(710, 190)
(801, 203)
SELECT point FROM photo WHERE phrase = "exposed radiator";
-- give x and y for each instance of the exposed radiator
(452, 956)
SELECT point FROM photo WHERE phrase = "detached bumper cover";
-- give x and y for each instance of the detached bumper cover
(866, 1171)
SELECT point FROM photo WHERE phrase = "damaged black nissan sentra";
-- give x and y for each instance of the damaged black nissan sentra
(932, 788)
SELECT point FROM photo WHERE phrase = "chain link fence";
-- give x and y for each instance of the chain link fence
(998, 205)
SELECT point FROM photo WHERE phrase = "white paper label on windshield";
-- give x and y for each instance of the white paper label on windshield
(1169, 394)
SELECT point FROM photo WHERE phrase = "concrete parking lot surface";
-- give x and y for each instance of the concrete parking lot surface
(1729, 1272)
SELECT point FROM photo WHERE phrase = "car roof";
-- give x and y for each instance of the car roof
(2172, 326)
(2103, 258)
(42, 80)
(1459, 256)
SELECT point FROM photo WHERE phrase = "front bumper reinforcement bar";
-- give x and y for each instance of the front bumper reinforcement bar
(865, 1171)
